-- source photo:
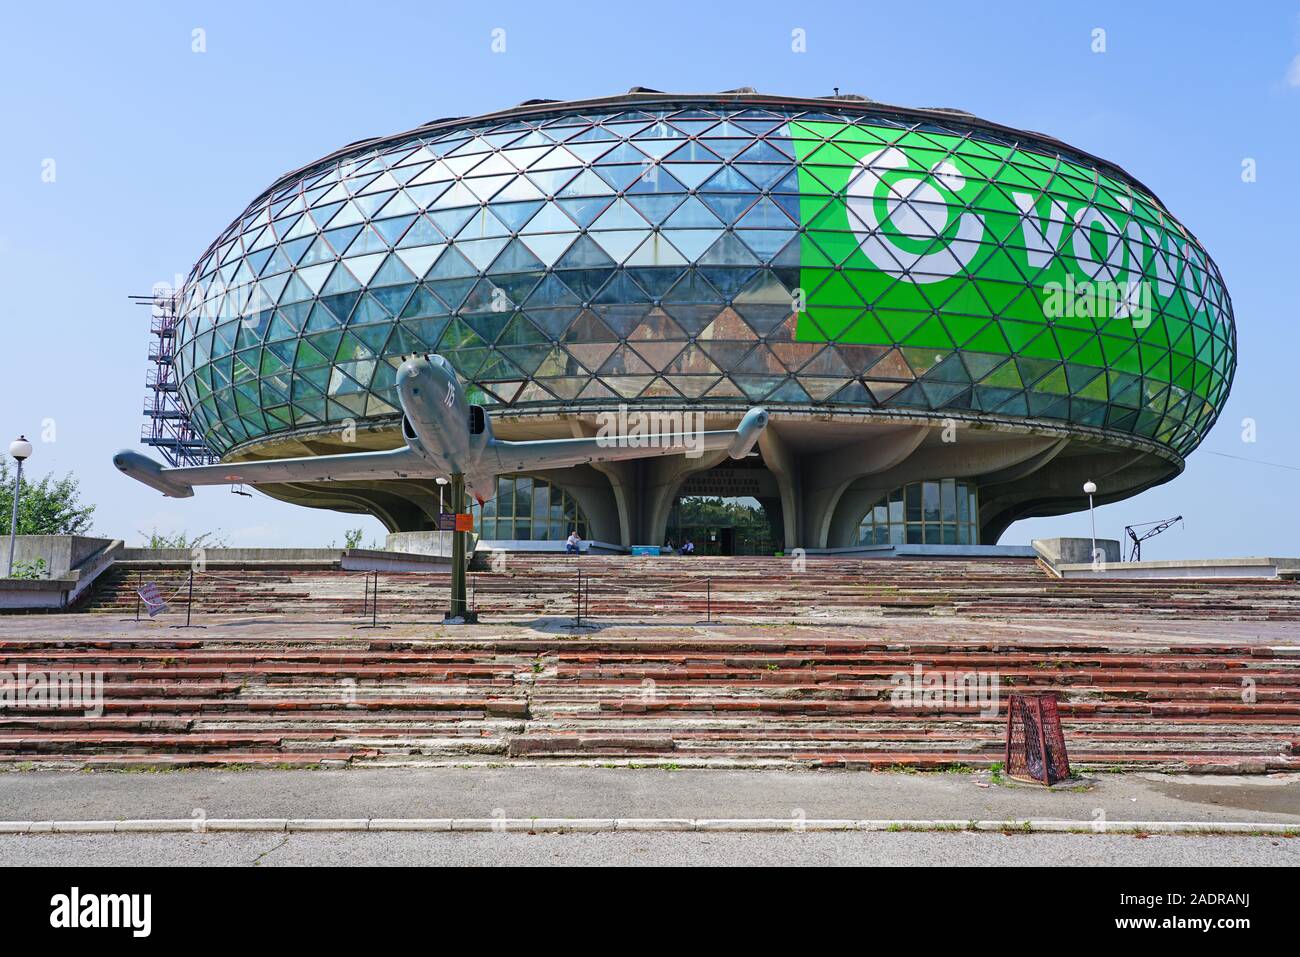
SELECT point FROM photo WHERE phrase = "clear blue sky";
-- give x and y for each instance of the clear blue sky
(157, 148)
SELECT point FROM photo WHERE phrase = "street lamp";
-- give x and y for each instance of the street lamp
(1089, 488)
(21, 450)
(442, 541)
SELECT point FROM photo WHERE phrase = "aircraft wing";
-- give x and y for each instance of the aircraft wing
(180, 482)
(561, 453)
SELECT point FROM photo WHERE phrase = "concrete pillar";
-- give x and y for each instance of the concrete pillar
(623, 480)
(784, 466)
(826, 475)
(662, 479)
(969, 457)
(1057, 488)
(594, 496)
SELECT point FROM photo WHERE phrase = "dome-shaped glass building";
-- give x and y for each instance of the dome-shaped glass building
(953, 323)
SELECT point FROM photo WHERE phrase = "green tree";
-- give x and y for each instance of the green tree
(699, 510)
(48, 507)
(352, 539)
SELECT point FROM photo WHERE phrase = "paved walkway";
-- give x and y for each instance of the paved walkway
(741, 850)
(517, 793)
(789, 801)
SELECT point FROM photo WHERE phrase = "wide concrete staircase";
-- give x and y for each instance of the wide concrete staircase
(729, 696)
(797, 666)
(701, 588)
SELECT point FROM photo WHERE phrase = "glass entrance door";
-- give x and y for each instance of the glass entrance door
(722, 526)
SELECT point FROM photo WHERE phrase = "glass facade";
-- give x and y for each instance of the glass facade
(944, 512)
(726, 254)
(527, 509)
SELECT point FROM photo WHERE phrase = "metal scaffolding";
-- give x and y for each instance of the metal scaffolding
(168, 426)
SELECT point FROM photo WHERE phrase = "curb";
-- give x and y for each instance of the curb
(583, 825)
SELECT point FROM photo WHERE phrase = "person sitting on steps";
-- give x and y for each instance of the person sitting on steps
(573, 544)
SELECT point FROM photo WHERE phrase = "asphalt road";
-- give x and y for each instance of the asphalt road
(557, 792)
(604, 793)
(740, 850)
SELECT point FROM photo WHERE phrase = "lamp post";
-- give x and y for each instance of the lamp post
(21, 450)
(1089, 489)
(459, 611)
(442, 538)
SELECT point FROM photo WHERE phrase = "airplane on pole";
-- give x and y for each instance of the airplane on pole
(445, 436)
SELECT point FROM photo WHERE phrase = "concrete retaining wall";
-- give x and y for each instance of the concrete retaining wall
(1188, 568)
(523, 545)
(46, 594)
(73, 563)
(1070, 551)
(61, 553)
(439, 544)
(926, 551)
(420, 543)
(228, 555)
(349, 559)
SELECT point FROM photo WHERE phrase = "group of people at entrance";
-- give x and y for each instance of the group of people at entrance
(573, 545)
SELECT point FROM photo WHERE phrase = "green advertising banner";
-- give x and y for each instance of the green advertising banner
(933, 241)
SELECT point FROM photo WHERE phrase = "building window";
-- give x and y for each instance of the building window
(944, 512)
(527, 509)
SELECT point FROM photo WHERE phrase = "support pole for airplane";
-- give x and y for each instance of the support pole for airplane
(459, 610)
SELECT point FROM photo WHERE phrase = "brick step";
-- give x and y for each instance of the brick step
(621, 587)
(215, 656)
(575, 745)
(761, 671)
(666, 651)
(871, 692)
(220, 741)
(800, 694)
(195, 706)
(758, 673)
(1066, 708)
(461, 672)
(1278, 741)
(277, 759)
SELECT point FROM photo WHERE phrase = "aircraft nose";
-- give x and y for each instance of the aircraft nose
(411, 369)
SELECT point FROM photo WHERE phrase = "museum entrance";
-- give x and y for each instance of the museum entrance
(729, 510)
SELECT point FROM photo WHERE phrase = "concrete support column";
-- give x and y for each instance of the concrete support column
(854, 502)
(784, 466)
(827, 475)
(1057, 488)
(594, 495)
(969, 457)
(662, 480)
(623, 480)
